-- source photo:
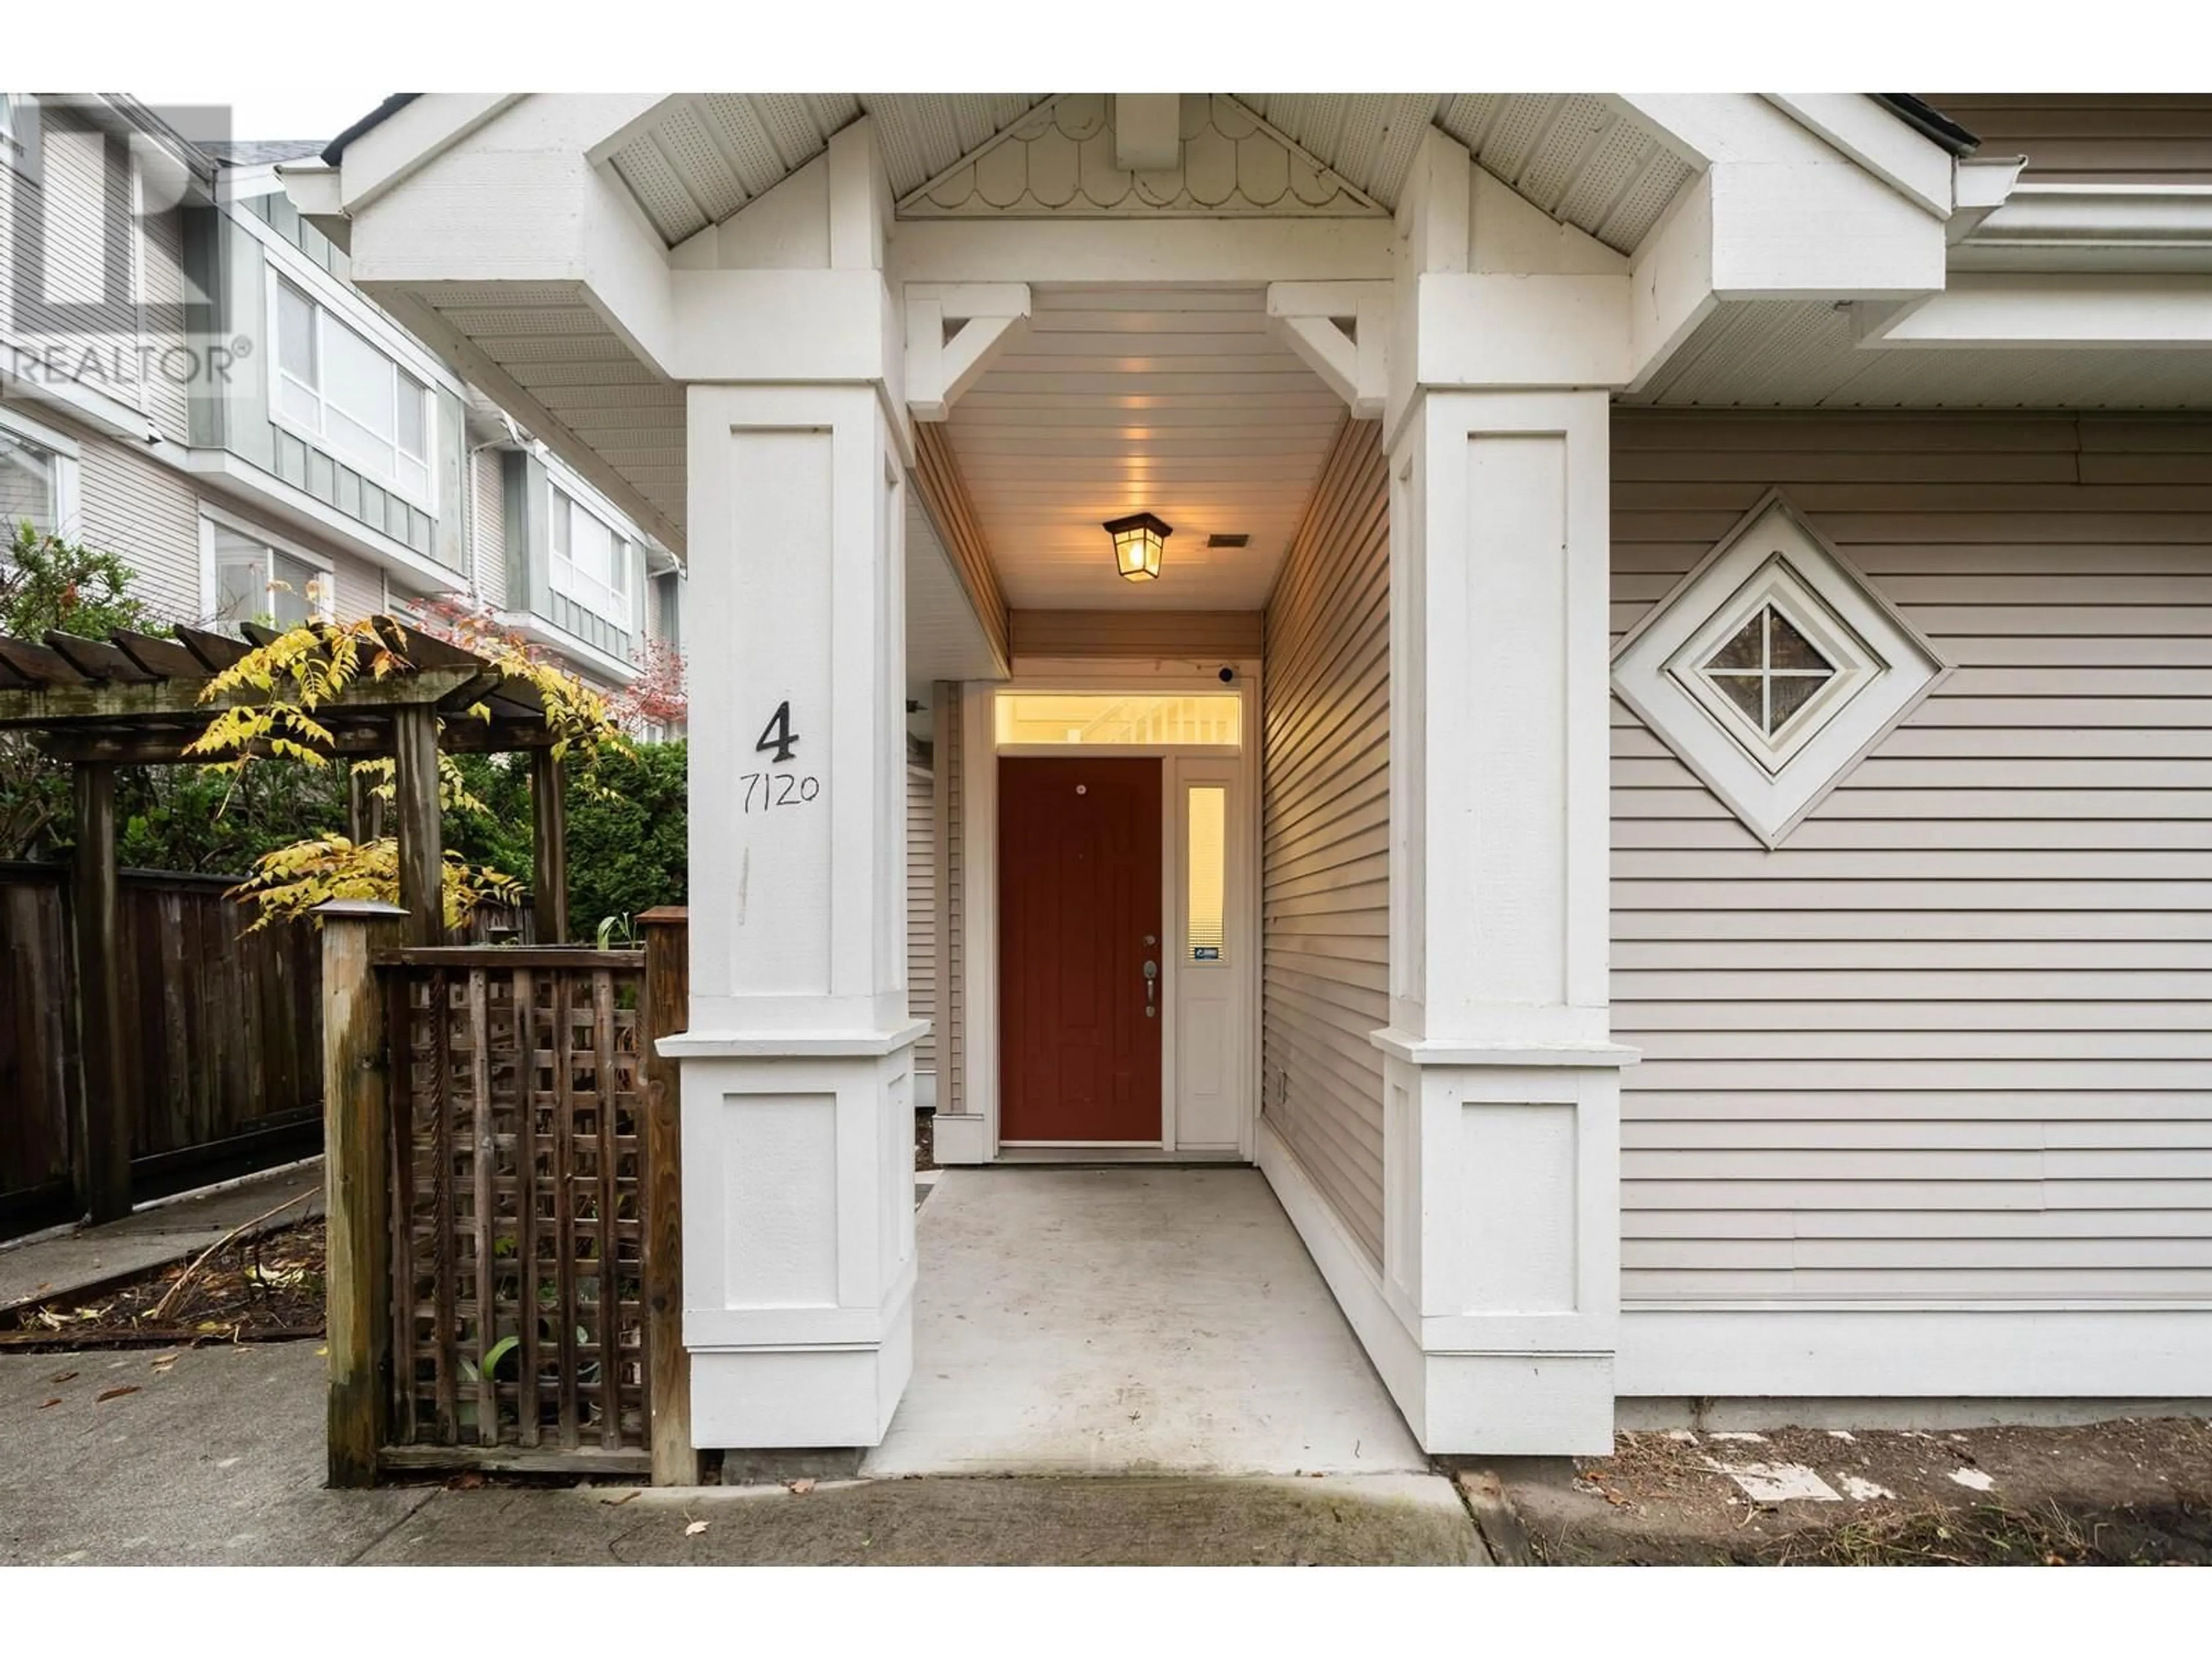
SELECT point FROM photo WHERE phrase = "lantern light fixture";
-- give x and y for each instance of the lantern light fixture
(1137, 542)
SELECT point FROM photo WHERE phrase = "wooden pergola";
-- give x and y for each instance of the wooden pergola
(134, 700)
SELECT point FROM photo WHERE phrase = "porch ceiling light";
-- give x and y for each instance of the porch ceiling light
(1137, 542)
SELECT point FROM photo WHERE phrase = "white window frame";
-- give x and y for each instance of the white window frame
(1852, 661)
(68, 474)
(326, 316)
(1884, 667)
(321, 604)
(618, 607)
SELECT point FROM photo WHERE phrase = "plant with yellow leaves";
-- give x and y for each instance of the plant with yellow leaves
(279, 688)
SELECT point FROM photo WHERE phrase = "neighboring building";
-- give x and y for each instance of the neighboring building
(189, 378)
(1659, 794)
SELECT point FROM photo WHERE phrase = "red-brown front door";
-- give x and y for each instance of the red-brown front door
(1079, 919)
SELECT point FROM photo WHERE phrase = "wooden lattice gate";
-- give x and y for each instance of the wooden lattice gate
(518, 1199)
(519, 1288)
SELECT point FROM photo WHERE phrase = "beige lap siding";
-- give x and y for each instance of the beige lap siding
(2092, 137)
(953, 1085)
(1951, 1042)
(1325, 835)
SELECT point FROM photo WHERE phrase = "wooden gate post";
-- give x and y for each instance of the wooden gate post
(549, 842)
(667, 1010)
(105, 1120)
(418, 821)
(358, 1181)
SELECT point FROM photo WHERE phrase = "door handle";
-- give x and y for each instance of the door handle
(1151, 979)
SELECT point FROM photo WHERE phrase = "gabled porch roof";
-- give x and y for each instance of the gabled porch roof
(585, 257)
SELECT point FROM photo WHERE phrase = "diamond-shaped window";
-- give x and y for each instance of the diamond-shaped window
(1771, 669)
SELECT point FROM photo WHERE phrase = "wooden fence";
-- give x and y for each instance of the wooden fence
(220, 1064)
(504, 1236)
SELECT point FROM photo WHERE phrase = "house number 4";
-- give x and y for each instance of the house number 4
(777, 735)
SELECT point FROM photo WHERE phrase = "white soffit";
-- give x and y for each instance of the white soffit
(547, 340)
(1858, 669)
(1801, 354)
(1573, 154)
(1177, 401)
(943, 640)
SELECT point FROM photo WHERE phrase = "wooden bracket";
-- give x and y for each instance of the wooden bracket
(1342, 332)
(953, 331)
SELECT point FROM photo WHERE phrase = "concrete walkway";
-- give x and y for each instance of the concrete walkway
(1130, 1320)
(172, 1231)
(215, 1456)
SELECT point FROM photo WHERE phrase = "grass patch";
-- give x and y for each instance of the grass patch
(1983, 1535)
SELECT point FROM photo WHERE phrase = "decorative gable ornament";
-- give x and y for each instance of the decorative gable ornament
(1058, 161)
(1773, 668)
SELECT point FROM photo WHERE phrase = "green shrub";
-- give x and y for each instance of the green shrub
(628, 851)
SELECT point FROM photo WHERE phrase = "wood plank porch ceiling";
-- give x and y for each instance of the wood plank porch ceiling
(1174, 401)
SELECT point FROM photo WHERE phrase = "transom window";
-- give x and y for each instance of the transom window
(336, 387)
(1210, 718)
(1769, 670)
(591, 562)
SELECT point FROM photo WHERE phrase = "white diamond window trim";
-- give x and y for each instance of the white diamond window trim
(1773, 668)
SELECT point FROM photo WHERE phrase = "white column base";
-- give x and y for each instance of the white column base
(1508, 1405)
(785, 1399)
(1515, 1242)
(961, 1138)
(799, 1257)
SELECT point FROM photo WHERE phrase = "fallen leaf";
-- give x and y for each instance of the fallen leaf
(695, 1528)
(56, 1400)
(63, 1376)
(800, 1488)
(163, 1364)
(617, 1502)
(114, 1394)
(322, 1354)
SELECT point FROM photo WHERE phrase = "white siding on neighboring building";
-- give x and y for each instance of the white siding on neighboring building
(921, 910)
(168, 396)
(1325, 835)
(488, 527)
(148, 514)
(1952, 1041)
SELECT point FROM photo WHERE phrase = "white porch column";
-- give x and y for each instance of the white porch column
(799, 1263)
(1501, 1118)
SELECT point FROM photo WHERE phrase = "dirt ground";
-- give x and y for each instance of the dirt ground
(925, 1140)
(263, 1289)
(2136, 1491)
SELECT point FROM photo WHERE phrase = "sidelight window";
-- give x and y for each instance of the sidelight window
(1206, 873)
